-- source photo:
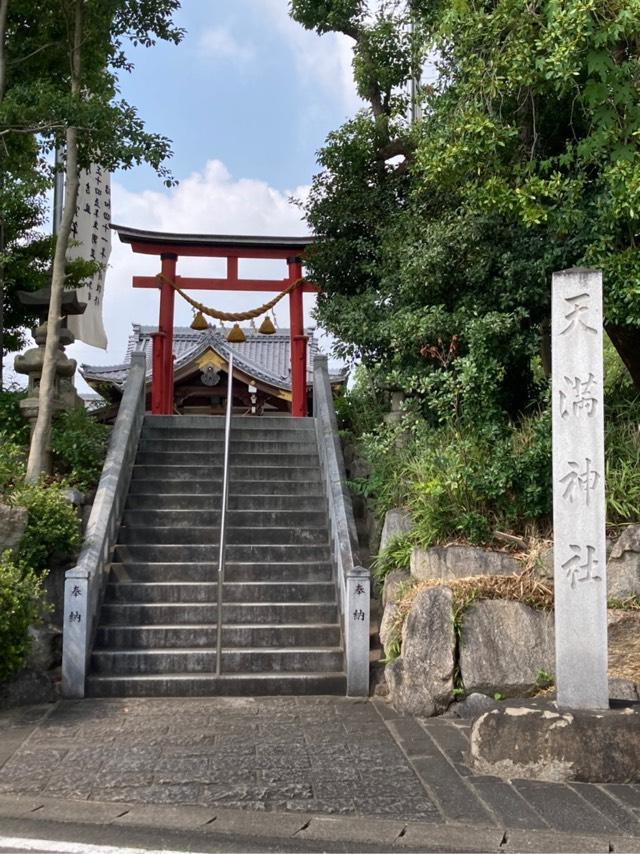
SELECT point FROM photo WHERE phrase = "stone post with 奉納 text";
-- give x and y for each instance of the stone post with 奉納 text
(579, 490)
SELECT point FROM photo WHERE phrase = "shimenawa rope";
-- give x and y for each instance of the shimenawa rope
(232, 315)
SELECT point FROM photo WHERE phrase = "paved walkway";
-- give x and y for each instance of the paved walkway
(293, 756)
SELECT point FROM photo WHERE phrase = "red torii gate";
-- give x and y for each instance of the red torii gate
(170, 246)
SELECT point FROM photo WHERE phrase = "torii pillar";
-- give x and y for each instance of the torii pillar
(298, 343)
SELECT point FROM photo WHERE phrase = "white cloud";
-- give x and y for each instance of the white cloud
(207, 202)
(219, 43)
(321, 60)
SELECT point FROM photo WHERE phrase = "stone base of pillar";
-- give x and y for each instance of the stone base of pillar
(538, 741)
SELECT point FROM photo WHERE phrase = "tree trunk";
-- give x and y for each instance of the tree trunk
(626, 340)
(4, 8)
(40, 440)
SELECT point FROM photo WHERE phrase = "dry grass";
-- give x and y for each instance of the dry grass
(524, 587)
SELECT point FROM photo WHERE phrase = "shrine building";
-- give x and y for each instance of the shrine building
(261, 371)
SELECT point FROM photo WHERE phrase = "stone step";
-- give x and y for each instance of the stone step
(200, 486)
(235, 572)
(198, 660)
(237, 474)
(164, 637)
(243, 685)
(196, 592)
(207, 422)
(125, 553)
(243, 503)
(238, 460)
(148, 534)
(306, 444)
(246, 612)
(189, 518)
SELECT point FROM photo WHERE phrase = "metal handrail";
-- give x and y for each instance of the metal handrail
(223, 513)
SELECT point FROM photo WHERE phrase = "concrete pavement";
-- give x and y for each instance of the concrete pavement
(293, 773)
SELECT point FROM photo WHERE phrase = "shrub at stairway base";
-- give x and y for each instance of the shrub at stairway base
(505, 647)
(421, 682)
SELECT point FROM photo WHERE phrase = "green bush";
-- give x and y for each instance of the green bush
(53, 529)
(12, 463)
(463, 482)
(79, 444)
(396, 555)
(13, 424)
(21, 604)
(360, 408)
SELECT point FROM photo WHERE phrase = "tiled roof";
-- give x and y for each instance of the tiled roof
(264, 357)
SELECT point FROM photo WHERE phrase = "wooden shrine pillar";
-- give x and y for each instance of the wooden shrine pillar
(298, 343)
(162, 360)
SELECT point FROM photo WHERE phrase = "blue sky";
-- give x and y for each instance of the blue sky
(247, 86)
(247, 99)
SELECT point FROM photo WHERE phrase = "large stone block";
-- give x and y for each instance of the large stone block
(460, 562)
(623, 569)
(46, 648)
(13, 523)
(387, 633)
(544, 743)
(505, 647)
(394, 583)
(28, 687)
(421, 680)
(397, 522)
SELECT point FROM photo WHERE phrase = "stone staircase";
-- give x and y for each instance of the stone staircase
(281, 634)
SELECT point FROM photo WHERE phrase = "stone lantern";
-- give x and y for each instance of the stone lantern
(30, 363)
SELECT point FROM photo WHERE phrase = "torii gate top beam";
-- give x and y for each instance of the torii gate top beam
(212, 245)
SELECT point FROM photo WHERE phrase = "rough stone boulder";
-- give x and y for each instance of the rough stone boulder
(46, 647)
(623, 569)
(421, 680)
(13, 523)
(393, 583)
(505, 647)
(386, 632)
(544, 743)
(460, 562)
(396, 523)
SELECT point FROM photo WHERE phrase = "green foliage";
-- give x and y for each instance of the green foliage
(544, 679)
(526, 160)
(12, 463)
(360, 408)
(38, 104)
(630, 603)
(395, 555)
(79, 444)
(21, 604)
(13, 424)
(53, 528)
(463, 482)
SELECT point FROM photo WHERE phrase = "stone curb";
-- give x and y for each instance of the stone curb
(356, 831)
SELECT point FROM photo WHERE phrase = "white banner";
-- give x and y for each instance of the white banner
(91, 240)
